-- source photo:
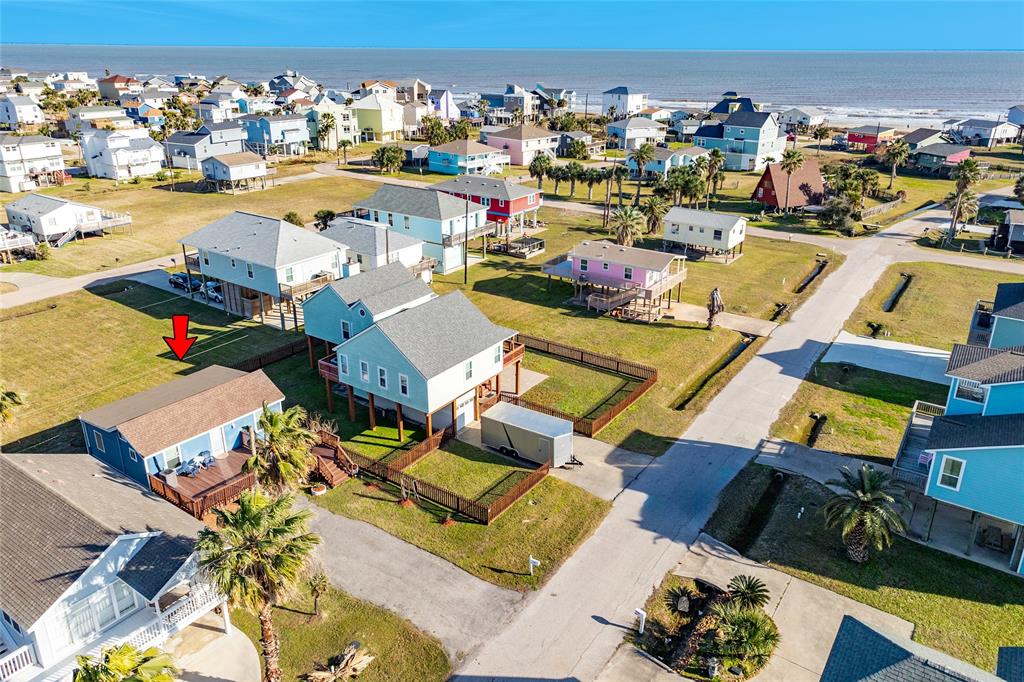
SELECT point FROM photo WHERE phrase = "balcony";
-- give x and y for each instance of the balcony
(192, 262)
(488, 228)
(298, 290)
(425, 264)
(912, 462)
(328, 368)
(511, 352)
(214, 486)
(981, 324)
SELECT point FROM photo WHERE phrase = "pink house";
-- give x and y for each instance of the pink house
(524, 142)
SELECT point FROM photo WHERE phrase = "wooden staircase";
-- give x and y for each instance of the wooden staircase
(327, 466)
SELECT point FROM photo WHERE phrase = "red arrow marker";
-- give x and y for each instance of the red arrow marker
(181, 342)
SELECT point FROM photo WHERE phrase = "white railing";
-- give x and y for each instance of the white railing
(15, 240)
(152, 635)
(193, 605)
(19, 659)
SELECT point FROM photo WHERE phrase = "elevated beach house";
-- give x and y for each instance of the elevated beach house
(264, 263)
(442, 222)
(374, 245)
(190, 149)
(97, 116)
(938, 159)
(1009, 235)
(509, 205)
(28, 162)
(233, 172)
(285, 134)
(523, 142)
(121, 154)
(630, 133)
(982, 132)
(868, 138)
(922, 137)
(623, 102)
(187, 439)
(90, 561)
(19, 112)
(624, 281)
(806, 186)
(801, 118)
(964, 461)
(57, 220)
(379, 118)
(747, 138)
(466, 156)
(714, 233)
(664, 160)
(431, 363)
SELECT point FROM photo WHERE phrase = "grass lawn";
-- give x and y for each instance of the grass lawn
(663, 621)
(549, 522)
(401, 651)
(93, 347)
(957, 606)
(469, 471)
(576, 389)
(515, 293)
(935, 310)
(161, 217)
(867, 410)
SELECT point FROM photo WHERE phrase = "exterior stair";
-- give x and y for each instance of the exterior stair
(66, 237)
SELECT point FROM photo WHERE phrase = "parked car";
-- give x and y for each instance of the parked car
(180, 280)
(212, 292)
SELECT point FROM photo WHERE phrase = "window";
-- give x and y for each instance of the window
(405, 222)
(469, 369)
(628, 273)
(206, 258)
(172, 460)
(584, 265)
(132, 455)
(335, 260)
(604, 266)
(382, 377)
(376, 216)
(532, 199)
(486, 201)
(718, 235)
(952, 473)
(346, 330)
(248, 270)
(497, 354)
(343, 364)
(289, 274)
(124, 597)
(391, 219)
(232, 262)
(364, 371)
(702, 230)
(403, 384)
(97, 438)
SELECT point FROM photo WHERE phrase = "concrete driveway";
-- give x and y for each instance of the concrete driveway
(204, 652)
(882, 355)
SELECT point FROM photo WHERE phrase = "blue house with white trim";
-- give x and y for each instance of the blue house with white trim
(964, 461)
(187, 435)
(749, 139)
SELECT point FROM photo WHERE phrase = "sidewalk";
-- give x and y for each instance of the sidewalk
(753, 326)
(817, 465)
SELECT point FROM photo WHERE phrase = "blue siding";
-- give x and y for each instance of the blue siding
(1005, 399)
(955, 405)
(191, 448)
(992, 482)
(233, 431)
(322, 314)
(1006, 332)
(373, 347)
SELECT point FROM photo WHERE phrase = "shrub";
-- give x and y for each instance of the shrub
(293, 218)
(42, 251)
(748, 592)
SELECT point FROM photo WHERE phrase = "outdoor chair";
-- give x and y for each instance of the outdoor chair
(190, 468)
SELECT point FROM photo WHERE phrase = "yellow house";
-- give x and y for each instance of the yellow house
(378, 118)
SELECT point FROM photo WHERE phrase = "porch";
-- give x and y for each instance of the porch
(984, 539)
(912, 462)
(218, 484)
(981, 324)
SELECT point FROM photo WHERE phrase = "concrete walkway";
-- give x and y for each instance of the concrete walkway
(204, 652)
(439, 598)
(817, 465)
(893, 357)
(739, 323)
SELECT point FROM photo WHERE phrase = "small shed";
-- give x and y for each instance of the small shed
(521, 432)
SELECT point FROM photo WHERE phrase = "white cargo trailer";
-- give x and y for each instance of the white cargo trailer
(522, 432)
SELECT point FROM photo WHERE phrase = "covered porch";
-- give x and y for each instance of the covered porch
(985, 539)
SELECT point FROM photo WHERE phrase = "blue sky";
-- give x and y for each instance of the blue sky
(622, 24)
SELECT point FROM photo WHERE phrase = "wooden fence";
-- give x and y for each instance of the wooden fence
(271, 356)
(392, 472)
(881, 208)
(225, 493)
(584, 425)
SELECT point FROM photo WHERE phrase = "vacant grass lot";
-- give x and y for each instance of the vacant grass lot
(469, 471)
(549, 523)
(401, 651)
(957, 606)
(515, 293)
(93, 347)
(867, 410)
(576, 389)
(161, 217)
(935, 310)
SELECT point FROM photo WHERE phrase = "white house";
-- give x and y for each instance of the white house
(241, 170)
(1016, 115)
(626, 102)
(413, 114)
(51, 218)
(90, 560)
(714, 232)
(373, 245)
(29, 161)
(630, 133)
(121, 154)
(801, 117)
(83, 118)
(984, 133)
(412, 90)
(18, 111)
(217, 107)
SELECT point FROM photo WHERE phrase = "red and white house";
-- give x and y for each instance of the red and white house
(507, 203)
(868, 138)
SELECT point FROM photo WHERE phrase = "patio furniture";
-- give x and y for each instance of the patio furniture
(992, 538)
(190, 468)
(206, 459)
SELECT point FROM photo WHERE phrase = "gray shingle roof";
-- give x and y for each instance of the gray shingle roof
(41, 204)
(862, 654)
(952, 432)
(920, 135)
(1009, 301)
(635, 123)
(624, 255)
(723, 221)
(261, 240)
(1010, 663)
(17, 140)
(870, 130)
(1014, 216)
(986, 365)
(442, 333)
(523, 132)
(385, 288)
(941, 149)
(367, 237)
(73, 506)
(482, 186)
(155, 563)
(413, 201)
(748, 119)
(710, 130)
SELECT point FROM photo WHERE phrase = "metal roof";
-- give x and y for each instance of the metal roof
(258, 239)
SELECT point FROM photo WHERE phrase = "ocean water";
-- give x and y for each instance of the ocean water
(902, 88)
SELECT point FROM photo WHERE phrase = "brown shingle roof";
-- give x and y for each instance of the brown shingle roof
(238, 158)
(806, 185)
(463, 148)
(524, 132)
(162, 416)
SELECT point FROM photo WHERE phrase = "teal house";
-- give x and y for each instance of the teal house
(749, 139)
(964, 461)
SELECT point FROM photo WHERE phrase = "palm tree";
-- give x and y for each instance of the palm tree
(691, 186)
(749, 635)
(654, 209)
(556, 173)
(967, 174)
(792, 161)
(573, 172)
(867, 183)
(700, 167)
(318, 586)
(293, 218)
(619, 174)
(281, 453)
(820, 133)
(867, 511)
(627, 224)
(346, 666)
(8, 401)
(1018, 189)
(127, 663)
(748, 592)
(343, 145)
(612, 110)
(325, 126)
(518, 116)
(641, 156)
(896, 154)
(592, 176)
(539, 167)
(256, 557)
(968, 206)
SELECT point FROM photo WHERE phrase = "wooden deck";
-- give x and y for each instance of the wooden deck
(220, 484)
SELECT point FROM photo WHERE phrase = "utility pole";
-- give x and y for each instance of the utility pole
(465, 245)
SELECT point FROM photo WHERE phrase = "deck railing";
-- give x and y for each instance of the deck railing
(19, 659)
(512, 352)
(918, 425)
(199, 505)
(293, 291)
(426, 263)
(461, 236)
(328, 368)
